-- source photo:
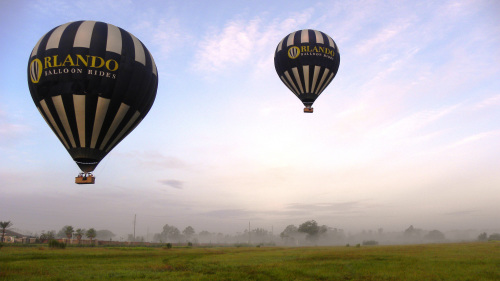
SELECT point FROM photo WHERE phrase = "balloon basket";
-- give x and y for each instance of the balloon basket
(84, 178)
(308, 110)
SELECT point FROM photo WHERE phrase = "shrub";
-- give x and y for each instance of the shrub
(1, 245)
(56, 244)
(370, 243)
(190, 244)
(494, 236)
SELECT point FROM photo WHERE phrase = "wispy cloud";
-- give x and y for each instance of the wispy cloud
(383, 38)
(461, 213)
(156, 160)
(242, 40)
(473, 138)
(342, 207)
(173, 183)
(487, 102)
(228, 213)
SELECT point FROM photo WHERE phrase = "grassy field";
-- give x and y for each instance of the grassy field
(464, 261)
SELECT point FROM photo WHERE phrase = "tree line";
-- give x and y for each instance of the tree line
(307, 233)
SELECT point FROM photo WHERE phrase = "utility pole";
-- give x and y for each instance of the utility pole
(249, 238)
(272, 233)
(135, 216)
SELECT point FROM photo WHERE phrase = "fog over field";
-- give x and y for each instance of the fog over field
(403, 142)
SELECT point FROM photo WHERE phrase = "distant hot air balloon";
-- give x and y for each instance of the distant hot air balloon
(307, 61)
(93, 83)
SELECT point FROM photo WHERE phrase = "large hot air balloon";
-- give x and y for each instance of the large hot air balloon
(93, 83)
(306, 61)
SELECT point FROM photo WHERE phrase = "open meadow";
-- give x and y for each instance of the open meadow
(461, 261)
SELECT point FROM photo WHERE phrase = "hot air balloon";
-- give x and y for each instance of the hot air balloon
(93, 83)
(307, 61)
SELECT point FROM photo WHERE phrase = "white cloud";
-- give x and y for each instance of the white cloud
(476, 137)
(242, 41)
(487, 102)
(382, 39)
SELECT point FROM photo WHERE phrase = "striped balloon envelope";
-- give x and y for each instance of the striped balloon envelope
(93, 83)
(307, 61)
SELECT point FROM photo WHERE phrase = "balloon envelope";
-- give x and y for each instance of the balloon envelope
(93, 83)
(307, 61)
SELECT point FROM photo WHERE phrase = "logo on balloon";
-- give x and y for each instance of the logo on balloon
(35, 70)
(293, 52)
(72, 64)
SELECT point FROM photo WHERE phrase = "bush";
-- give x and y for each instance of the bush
(1, 245)
(190, 244)
(494, 237)
(56, 244)
(370, 243)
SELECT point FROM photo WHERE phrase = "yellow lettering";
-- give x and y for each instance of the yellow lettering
(84, 61)
(108, 65)
(68, 59)
(315, 49)
(55, 61)
(101, 61)
(303, 49)
(321, 49)
(47, 62)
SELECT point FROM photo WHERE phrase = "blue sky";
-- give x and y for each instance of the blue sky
(407, 133)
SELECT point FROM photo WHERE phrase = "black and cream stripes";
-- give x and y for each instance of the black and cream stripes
(306, 62)
(93, 83)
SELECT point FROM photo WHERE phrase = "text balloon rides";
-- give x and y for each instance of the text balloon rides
(307, 61)
(93, 83)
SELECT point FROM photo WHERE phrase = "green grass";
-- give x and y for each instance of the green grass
(464, 261)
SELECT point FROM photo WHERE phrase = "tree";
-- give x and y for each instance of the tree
(435, 235)
(4, 225)
(79, 233)
(289, 231)
(91, 234)
(482, 237)
(47, 236)
(412, 232)
(311, 228)
(494, 237)
(104, 234)
(188, 232)
(170, 233)
(68, 231)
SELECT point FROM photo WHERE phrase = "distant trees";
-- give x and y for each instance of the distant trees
(482, 237)
(169, 233)
(66, 232)
(79, 233)
(289, 234)
(494, 237)
(312, 229)
(4, 225)
(370, 243)
(47, 236)
(91, 234)
(188, 232)
(435, 236)
(104, 234)
(412, 232)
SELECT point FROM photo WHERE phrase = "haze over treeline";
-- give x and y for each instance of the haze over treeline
(304, 234)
